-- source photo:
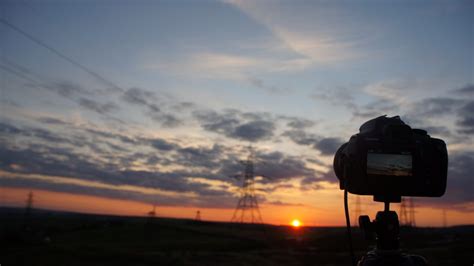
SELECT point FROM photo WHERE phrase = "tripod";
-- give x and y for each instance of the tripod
(386, 229)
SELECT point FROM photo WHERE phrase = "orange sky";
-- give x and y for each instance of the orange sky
(271, 213)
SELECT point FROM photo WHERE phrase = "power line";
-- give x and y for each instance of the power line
(17, 73)
(63, 56)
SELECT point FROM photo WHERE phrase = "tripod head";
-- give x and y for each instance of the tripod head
(385, 229)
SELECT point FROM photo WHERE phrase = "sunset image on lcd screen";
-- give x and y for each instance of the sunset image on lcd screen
(296, 223)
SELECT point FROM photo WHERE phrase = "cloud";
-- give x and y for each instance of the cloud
(150, 101)
(466, 90)
(315, 182)
(13, 131)
(56, 162)
(63, 158)
(215, 122)
(107, 135)
(141, 97)
(287, 45)
(212, 62)
(466, 118)
(422, 113)
(438, 131)
(460, 109)
(386, 97)
(83, 98)
(259, 83)
(207, 200)
(51, 120)
(68, 89)
(254, 131)
(208, 158)
(207, 65)
(297, 122)
(34, 135)
(339, 96)
(310, 183)
(9, 129)
(92, 100)
(101, 108)
(281, 203)
(460, 183)
(115, 158)
(166, 120)
(309, 45)
(392, 90)
(301, 137)
(235, 124)
(163, 145)
(434, 107)
(328, 146)
(329, 176)
(276, 166)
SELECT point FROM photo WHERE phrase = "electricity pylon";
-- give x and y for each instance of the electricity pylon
(445, 218)
(29, 204)
(407, 212)
(357, 210)
(28, 209)
(247, 209)
(152, 213)
(411, 212)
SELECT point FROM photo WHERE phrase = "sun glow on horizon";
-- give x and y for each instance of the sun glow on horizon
(296, 223)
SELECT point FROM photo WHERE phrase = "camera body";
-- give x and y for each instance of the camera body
(389, 159)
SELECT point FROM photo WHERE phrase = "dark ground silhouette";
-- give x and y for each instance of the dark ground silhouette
(57, 238)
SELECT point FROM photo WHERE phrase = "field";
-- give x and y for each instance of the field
(56, 238)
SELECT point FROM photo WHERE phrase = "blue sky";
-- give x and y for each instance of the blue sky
(294, 79)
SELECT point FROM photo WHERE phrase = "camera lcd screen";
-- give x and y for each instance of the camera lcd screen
(389, 164)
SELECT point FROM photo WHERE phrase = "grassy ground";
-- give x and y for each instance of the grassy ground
(74, 239)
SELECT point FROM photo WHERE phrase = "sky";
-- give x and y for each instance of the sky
(113, 106)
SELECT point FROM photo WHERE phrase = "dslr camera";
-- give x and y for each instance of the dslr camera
(388, 159)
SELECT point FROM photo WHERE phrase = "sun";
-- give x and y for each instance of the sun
(296, 223)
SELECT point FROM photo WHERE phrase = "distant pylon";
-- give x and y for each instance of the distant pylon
(247, 209)
(407, 212)
(152, 213)
(445, 218)
(198, 216)
(411, 205)
(357, 210)
(29, 203)
(403, 213)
